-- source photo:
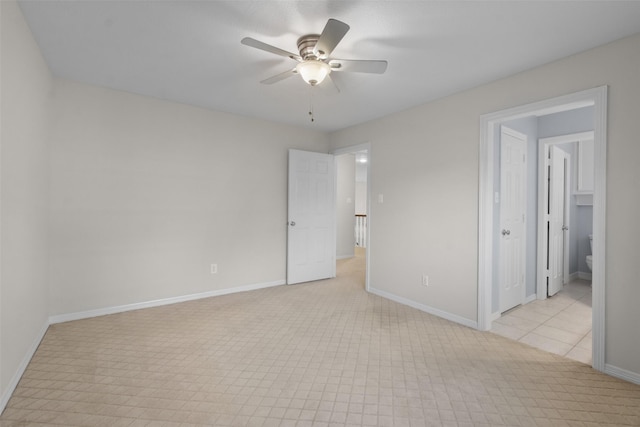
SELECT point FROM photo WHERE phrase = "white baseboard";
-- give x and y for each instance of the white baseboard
(573, 276)
(345, 256)
(6, 395)
(527, 300)
(584, 276)
(436, 312)
(623, 374)
(59, 318)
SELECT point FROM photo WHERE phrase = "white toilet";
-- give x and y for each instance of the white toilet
(589, 257)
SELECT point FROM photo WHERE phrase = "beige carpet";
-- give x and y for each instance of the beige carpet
(317, 354)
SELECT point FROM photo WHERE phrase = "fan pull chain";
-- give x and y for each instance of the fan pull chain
(311, 104)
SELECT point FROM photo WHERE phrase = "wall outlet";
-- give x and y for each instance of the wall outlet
(425, 280)
(214, 268)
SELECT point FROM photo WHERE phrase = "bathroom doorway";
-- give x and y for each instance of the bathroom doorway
(488, 260)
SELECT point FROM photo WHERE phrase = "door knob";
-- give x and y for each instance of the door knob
(506, 232)
(292, 223)
(565, 228)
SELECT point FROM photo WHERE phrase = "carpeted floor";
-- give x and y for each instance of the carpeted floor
(318, 354)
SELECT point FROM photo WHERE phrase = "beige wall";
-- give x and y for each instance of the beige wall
(25, 84)
(425, 162)
(147, 194)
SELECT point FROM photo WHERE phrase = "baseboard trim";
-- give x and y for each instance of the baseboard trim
(584, 276)
(6, 395)
(345, 256)
(623, 374)
(530, 298)
(60, 318)
(436, 312)
(573, 276)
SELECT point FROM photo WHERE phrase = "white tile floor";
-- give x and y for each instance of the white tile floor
(560, 324)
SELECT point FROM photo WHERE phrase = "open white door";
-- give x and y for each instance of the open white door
(558, 213)
(512, 218)
(311, 237)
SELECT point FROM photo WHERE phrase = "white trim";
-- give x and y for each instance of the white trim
(345, 256)
(584, 276)
(436, 312)
(365, 146)
(485, 222)
(571, 137)
(22, 367)
(496, 315)
(598, 287)
(60, 318)
(573, 276)
(623, 374)
(596, 97)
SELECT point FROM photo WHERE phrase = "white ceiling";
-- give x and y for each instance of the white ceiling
(190, 51)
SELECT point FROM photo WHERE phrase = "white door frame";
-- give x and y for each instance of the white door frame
(596, 97)
(354, 149)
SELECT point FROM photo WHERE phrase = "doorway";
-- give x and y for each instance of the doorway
(357, 211)
(487, 228)
(570, 219)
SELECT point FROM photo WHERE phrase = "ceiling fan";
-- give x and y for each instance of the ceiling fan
(314, 62)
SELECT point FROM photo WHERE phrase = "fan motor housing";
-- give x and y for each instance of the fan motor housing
(306, 44)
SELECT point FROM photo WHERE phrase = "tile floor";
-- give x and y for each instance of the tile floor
(560, 324)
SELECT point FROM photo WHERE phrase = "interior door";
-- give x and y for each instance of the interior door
(311, 237)
(512, 218)
(558, 213)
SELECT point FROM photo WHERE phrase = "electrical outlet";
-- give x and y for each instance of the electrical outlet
(425, 280)
(214, 268)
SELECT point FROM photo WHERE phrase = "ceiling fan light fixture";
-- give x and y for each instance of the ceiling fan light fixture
(313, 71)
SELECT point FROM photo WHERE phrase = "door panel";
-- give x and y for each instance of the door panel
(557, 209)
(512, 218)
(312, 217)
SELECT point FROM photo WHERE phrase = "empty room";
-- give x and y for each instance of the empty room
(319, 213)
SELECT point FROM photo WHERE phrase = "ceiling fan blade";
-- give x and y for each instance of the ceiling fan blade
(248, 41)
(279, 77)
(332, 86)
(333, 32)
(358, 66)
